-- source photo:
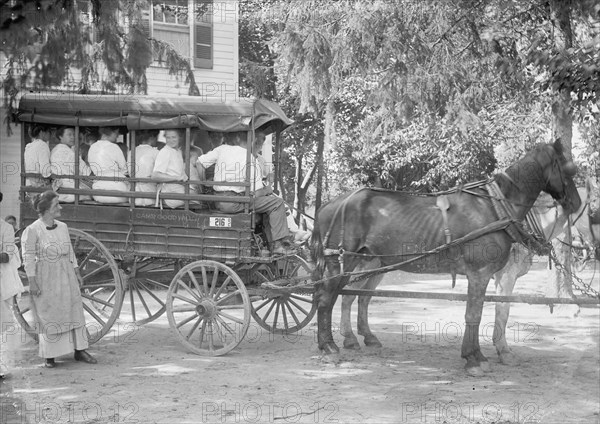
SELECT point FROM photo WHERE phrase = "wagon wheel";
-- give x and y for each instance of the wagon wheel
(279, 312)
(101, 286)
(146, 282)
(208, 307)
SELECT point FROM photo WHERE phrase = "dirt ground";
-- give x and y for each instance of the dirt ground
(144, 375)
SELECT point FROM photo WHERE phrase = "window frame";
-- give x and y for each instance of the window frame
(191, 29)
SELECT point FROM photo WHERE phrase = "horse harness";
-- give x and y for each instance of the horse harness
(532, 239)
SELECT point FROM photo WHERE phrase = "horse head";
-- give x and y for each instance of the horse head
(558, 173)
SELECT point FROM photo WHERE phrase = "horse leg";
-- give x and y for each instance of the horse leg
(326, 294)
(363, 313)
(350, 340)
(517, 266)
(477, 363)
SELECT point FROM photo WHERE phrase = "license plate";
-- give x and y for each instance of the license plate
(217, 221)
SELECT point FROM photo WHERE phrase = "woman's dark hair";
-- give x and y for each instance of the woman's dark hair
(61, 130)
(42, 202)
(36, 129)
(108, 130)
(145, 135)
(235, 138)
(1, 196)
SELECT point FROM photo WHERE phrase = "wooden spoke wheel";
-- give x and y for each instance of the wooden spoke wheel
(208, 308)
(282, 313)
(146, 282)
(101, 289)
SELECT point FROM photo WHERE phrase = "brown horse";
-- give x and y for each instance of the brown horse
(552, 222)
(412, 233)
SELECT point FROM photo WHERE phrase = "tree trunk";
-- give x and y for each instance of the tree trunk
(562, 127)
(323, 147)
(298, 188)
(319, 194)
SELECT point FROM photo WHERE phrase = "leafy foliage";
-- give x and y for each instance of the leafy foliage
(54, 44)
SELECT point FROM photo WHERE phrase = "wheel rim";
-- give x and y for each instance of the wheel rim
(101, 290)
(102, 285)
(208, 308)
(282, 313)
(146, 289)
(23, 311)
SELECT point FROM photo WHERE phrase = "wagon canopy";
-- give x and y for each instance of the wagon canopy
(152, 112)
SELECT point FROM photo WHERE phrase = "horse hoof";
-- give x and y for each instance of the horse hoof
(372, 342)
(330, 348)
(475, 371)
(485, 366)
(351, 344)
(508, 358)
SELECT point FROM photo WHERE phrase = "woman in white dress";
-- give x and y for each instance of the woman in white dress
(106, 159)
(53, 274)
(169, 166)
(145, 157)
(62, 158)
(10, 285)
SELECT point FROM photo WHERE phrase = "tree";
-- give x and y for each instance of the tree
(51, 44)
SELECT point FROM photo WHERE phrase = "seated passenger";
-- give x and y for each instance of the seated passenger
(37, 157)
(169, 166)
(106, 160)
(62, 159)
(145, 156)
(195, 153)
(230, 161)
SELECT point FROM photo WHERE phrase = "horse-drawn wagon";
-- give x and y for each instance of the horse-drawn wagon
(209, 270)
(203, 267)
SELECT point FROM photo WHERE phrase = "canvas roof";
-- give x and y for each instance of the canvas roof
(152, 112)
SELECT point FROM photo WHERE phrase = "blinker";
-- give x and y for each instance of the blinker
(570, 168)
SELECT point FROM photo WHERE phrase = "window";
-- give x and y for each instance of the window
(170, 12)
(185, 24)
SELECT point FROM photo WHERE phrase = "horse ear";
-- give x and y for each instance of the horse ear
(558, 146)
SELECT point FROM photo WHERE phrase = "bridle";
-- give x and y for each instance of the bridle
(556, 165)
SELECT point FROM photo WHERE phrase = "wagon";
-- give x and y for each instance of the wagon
(203, 267)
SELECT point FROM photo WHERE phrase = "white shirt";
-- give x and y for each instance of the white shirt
(37, 160)
(62, 158)
(106, 159)
(230, 166)
(10, 282)
(170, 161)
(145, 157)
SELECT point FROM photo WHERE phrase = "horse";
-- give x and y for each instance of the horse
(593, 201)
(414, 233)
(554, 223)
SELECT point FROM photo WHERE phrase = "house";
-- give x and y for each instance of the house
(203, 31)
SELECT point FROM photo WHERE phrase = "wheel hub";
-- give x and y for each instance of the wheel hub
(207, 308)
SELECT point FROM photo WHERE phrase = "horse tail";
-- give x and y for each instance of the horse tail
(317, 252)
